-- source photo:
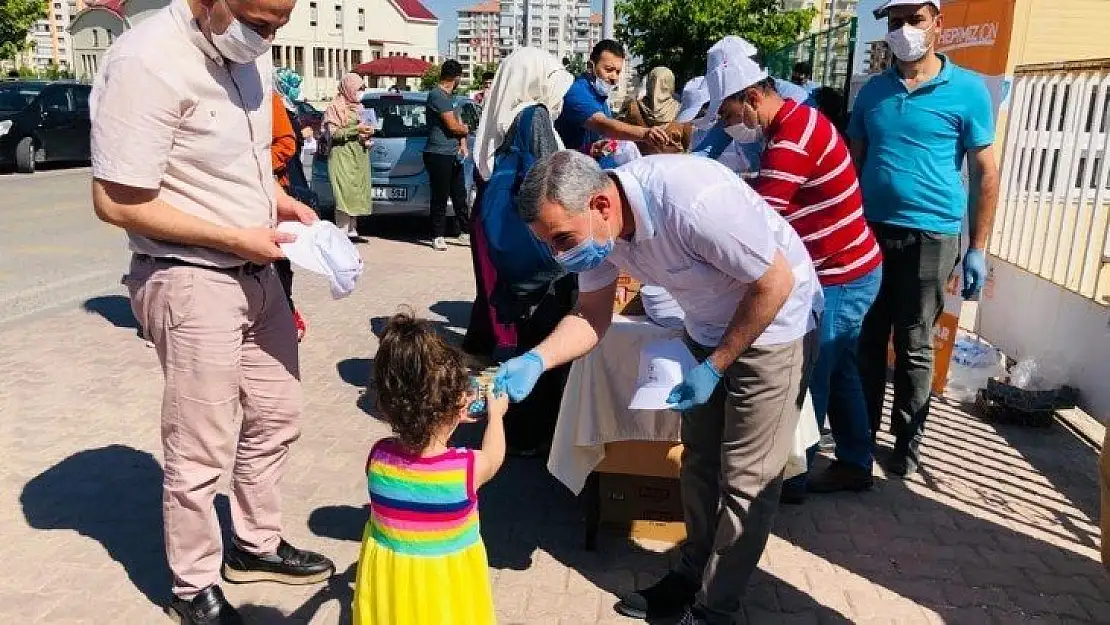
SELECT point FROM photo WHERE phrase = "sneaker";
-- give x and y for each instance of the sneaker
(300, 324)
(288, 565)
(463, 239)
(668, 598)
(841, 476)
(440, 244)
(691, 617)
(207, 608)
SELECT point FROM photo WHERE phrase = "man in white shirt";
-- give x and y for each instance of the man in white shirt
(752, 301)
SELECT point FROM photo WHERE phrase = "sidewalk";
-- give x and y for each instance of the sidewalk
(999, 527)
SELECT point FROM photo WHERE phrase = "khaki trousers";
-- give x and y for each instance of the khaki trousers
(736, 447)
(226, 342)
(1104, 480)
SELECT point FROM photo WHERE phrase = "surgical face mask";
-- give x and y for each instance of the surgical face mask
(238, 43)
(587, 255)
(908, 43)
(742, 133)
(603, 87)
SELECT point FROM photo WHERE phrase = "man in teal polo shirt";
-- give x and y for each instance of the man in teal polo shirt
(911, 129)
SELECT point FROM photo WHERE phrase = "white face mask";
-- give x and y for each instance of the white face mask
(238, 43)
(742, 133)
(908, 43)
(603, 87)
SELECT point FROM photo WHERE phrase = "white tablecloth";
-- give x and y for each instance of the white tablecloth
(594, 410)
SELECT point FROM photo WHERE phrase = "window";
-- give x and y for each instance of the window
(399, 118)
(96, 38)
(81, 98)
(275, 55)
(377, 54)
(298, 60)
(361, 20)
(57, 101)
(313, 14)
(339, 17)
(356, 58)
(318, 64)
(110, 37)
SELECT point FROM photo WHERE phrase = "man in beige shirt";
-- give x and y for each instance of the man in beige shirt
(181, 161)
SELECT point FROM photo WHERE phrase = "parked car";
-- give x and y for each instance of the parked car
(43, 121)
(399, 181)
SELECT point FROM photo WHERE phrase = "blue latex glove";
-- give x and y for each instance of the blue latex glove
(696, 387)
(975, 273)
(517, 377)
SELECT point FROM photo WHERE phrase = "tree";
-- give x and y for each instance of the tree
(430, 78)
(576, 65)
(16, 19)
(678, 33)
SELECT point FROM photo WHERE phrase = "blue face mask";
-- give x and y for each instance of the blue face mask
(587, 255)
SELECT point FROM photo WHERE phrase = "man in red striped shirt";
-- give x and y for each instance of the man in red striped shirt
(806, 173)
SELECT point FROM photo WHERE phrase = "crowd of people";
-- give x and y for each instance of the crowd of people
(792, 255)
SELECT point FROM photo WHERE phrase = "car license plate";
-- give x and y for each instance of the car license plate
(390, 193)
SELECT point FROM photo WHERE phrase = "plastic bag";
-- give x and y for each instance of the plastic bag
(1030, 375)
(806, 435)
(973, 363)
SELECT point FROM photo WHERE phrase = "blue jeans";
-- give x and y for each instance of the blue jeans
(835, 383)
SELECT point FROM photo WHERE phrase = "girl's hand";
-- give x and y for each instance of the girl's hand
(497, 405)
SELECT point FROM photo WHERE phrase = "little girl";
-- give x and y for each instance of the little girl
(422, 560)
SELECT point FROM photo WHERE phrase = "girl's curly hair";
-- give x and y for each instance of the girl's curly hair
(421, 382)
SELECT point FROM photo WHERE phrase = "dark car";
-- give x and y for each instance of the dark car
(43, 121)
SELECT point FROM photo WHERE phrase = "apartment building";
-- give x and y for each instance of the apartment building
(478, 41)
(877, 56)
(49, 41)
(832, 12)
(562, 27)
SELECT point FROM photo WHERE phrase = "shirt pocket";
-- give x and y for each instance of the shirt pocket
(216, 136)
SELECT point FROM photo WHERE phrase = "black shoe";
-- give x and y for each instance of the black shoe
(691, 617)
(841, 476)
(793, 493)
(901, 465)
(288, 565)
(208, 608)
(668, 598)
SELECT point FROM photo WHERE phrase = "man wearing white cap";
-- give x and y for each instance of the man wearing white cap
(751, 300)
(806, 174)
(911, 129)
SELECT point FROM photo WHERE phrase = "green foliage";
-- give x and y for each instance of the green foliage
(16, 18)
(576, 65)
(678, 33)
(51, 73)
(430, 78)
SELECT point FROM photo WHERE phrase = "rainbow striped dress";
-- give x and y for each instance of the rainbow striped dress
(422, 560)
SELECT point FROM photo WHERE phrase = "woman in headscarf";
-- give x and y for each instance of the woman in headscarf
(348, 161)
(658, 107)
(285, 154)
(527, 78)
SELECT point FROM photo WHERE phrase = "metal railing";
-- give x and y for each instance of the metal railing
(830, 53)
(1054, 198)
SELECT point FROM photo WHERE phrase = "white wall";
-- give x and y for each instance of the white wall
(1029, 317)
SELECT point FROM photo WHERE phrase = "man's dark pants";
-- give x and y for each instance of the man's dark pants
(916, 268)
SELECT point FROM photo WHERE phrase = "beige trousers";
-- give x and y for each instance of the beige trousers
(226, 342)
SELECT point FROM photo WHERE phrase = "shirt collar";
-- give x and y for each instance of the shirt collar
(942, 77)
(788, 107)
(183, 15)
(634, 191)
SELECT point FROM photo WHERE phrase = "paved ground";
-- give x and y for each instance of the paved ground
(998, 528)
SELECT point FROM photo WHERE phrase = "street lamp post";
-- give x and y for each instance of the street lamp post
(608, 19)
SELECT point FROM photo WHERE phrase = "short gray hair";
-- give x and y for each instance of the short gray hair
(568, 178)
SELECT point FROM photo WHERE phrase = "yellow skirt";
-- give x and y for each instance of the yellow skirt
(399, 589)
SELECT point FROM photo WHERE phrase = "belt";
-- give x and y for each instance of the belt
(249, 269)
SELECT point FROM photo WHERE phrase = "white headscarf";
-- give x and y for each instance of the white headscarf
(527, 76)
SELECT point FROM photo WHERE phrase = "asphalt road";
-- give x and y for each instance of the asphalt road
(54, 252)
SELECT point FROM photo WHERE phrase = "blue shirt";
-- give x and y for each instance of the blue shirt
(916, 144)
(581, 103)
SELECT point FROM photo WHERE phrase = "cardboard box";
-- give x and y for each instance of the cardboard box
(642, 507)
(644, 458)
(627, 300)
